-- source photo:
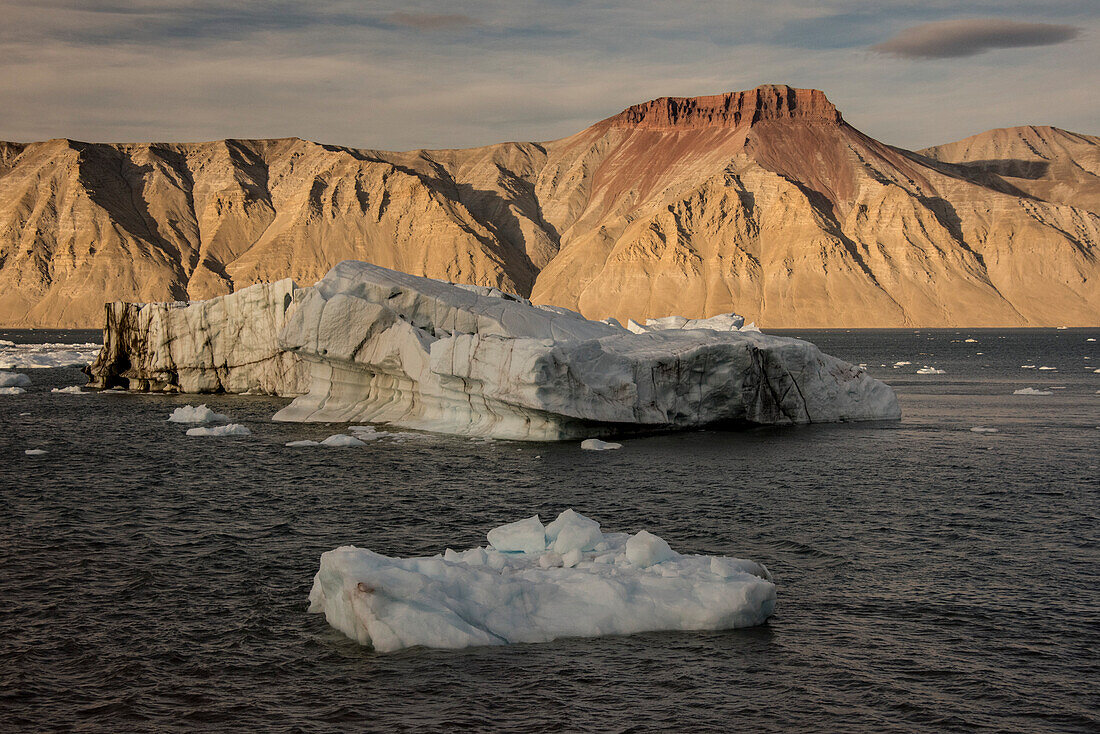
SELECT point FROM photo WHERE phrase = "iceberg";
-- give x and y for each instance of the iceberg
(372, 345)
(196, 414)
(232, 429)
(618, 584)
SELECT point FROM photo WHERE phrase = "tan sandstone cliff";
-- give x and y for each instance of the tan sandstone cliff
(763, 202)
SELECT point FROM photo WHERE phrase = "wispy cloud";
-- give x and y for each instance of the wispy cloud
(972, 36)
(401, 74)
(431, 21)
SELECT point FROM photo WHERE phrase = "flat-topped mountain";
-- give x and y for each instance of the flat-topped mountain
(765, 202)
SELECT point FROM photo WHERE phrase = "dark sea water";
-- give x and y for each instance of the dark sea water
(929, 578)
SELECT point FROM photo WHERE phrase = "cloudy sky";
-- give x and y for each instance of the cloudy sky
(400, 75)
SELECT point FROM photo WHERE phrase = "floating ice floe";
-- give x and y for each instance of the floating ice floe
(35, 452)
(342, 441)
(196, 414)
(1048, 369)
(14, 379)
(11, 391)
(1090, 339)
(1027, 366)
(983, 429)
(1097, 371)
(926, 370)
(302, 443)
(232, 429)
(900, 364)
(70, 390)
(971, 341)
(595, 444)
(1031, 391)
(567, 579)
(369, 433)
(33, 356)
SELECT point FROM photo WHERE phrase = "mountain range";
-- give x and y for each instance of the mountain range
(765, 202)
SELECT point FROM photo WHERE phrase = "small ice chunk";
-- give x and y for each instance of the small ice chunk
(901, 364)
(367, 433)
(644, 549)
(971, 341)
(1027, 366)
(521, 536)
(572, 558)
(1031, 391)
(14, 379)
(341, 440)
(983, 429)
(573, 531)
(1048, 368)
(232, 429)
(196, 414)
(11, 391)
(550, 560)
(1090, 339)
(35, 452)
(70, 390)
(926, 370)
(595, 444)
(306, 442)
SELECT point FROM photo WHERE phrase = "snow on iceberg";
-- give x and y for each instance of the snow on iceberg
(196, 414)
(14, 379)
(624, 584)
(1031, 391)
(34, 356)
(232, 429)
(595, 444)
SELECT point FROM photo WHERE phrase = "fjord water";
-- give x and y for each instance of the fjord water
(929, 577)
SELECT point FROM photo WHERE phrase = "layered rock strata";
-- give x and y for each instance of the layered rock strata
(764, 201)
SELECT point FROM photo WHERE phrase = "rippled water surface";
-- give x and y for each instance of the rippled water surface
(930, 578)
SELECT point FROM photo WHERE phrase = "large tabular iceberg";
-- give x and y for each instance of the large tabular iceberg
(567, 579)
(387, 347)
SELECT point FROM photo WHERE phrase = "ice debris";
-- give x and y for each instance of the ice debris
(342, 441)
(196, 414)
(11, 391)
(1031, 391)
(232, 429)
(926, 370)
(595, 444)
(14, 379)
(537, 590)
(70, 390)
(35, 452)
(32, 356)
(983, 429)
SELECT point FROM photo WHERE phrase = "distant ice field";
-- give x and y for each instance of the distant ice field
(929, 577)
